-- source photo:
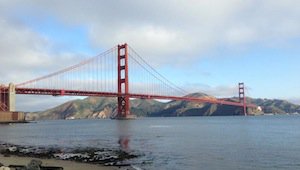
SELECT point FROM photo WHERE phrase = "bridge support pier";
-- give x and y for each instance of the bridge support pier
(8, 98)
(123, 85)
(242, 97)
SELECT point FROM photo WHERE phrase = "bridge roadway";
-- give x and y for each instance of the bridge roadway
(57, 92)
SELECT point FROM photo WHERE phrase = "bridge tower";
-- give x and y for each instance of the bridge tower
(242, 97)
(123, 85)
(8, 98)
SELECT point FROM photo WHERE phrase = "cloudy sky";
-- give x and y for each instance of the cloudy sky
(206, 46)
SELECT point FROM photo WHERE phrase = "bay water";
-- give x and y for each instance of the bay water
(232, 142)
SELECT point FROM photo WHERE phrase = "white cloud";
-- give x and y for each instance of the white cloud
(161, 29)
(217, 91)
(25, 54)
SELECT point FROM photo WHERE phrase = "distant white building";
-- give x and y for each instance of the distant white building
(70, 118)
(259, 108)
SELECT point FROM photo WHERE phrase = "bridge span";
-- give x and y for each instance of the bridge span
(109, 75)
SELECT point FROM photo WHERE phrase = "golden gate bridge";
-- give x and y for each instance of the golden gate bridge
(118, 72)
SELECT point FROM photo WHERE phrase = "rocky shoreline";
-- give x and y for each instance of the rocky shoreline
(106, 157)
(32, 165)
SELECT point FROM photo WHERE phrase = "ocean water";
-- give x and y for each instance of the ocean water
(233, 142)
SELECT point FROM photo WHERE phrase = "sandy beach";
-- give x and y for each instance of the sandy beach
(67, 165)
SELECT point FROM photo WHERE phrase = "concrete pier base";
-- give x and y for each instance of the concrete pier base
(12, 117)
(8, 98)
(8, 112)
(128, 117)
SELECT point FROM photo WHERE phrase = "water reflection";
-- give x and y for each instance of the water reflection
(124, 135)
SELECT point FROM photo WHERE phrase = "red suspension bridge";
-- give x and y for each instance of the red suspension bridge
(107, 75)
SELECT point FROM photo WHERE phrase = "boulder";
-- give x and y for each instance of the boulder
(34, 165)
(13, 149)
(4, 168)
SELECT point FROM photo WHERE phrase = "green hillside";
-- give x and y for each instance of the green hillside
(98, 107)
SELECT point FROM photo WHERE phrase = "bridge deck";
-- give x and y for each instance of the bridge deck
(58, 92)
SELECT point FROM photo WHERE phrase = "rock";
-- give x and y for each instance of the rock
(4, 168)
(13, 149)
(91, 155)
(34, 165)
(1, 165)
